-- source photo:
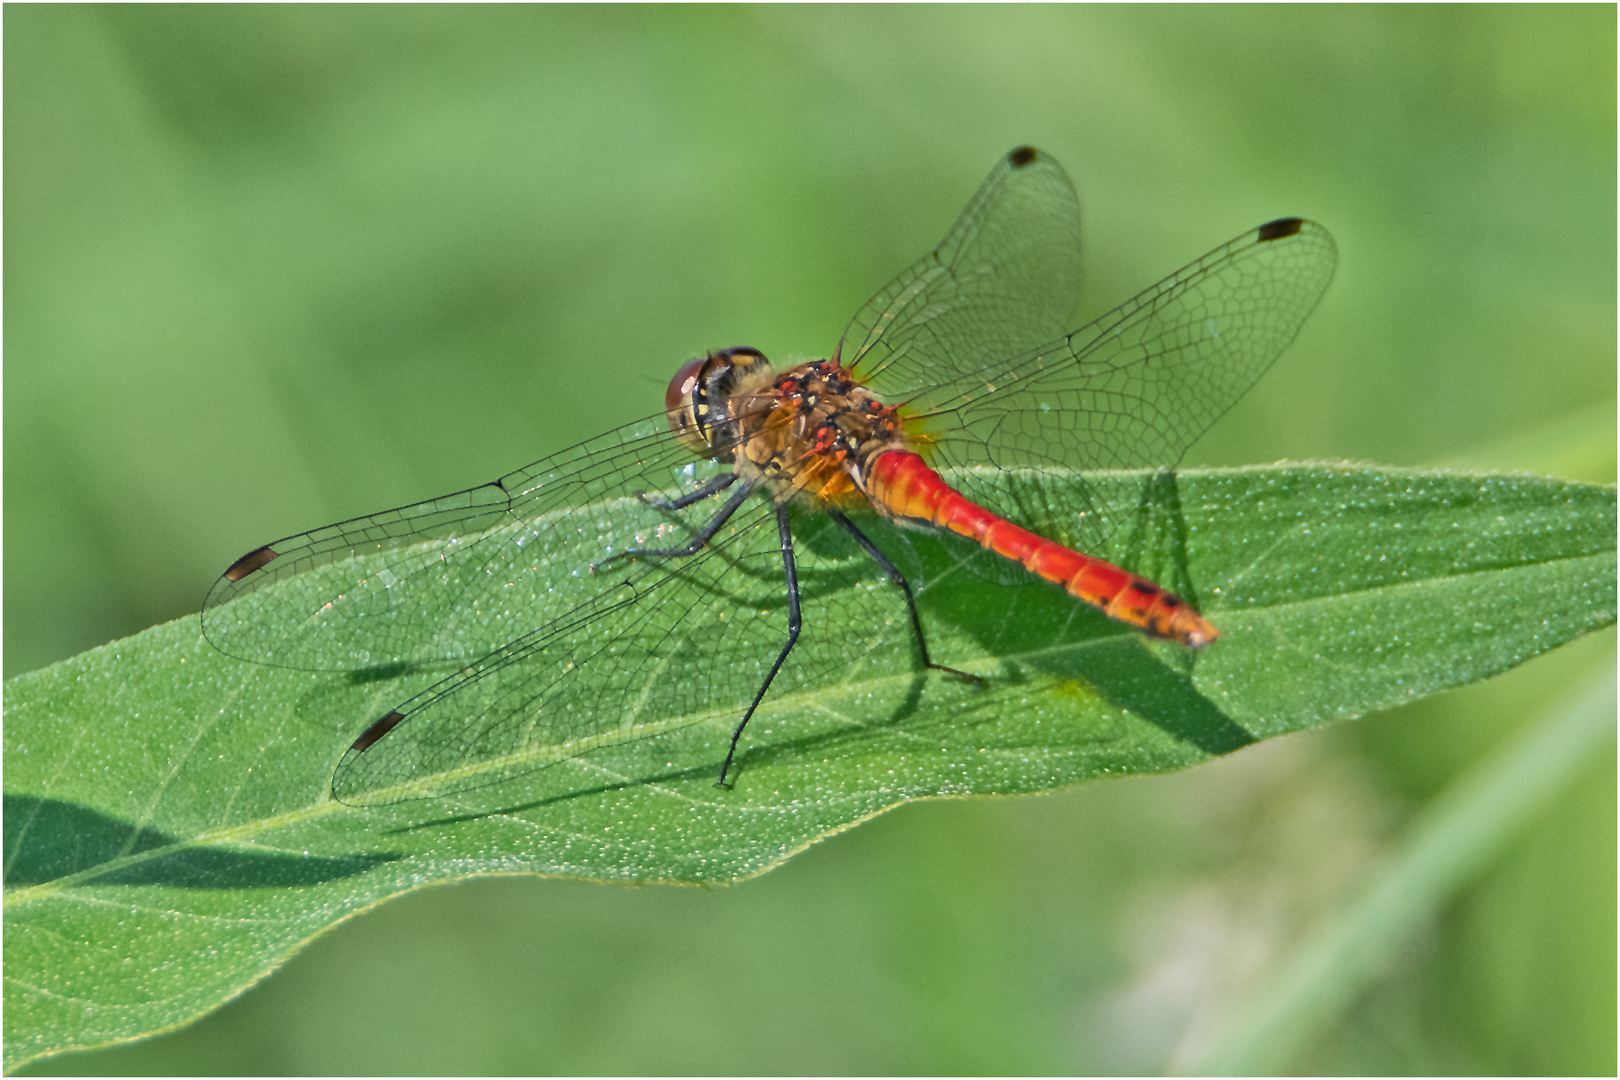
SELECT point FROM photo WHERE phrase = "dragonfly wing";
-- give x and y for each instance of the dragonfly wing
(451, 578)
(1138, 386)
(623, 684)
(1132, 390)
(1005, 279)
(666, 643)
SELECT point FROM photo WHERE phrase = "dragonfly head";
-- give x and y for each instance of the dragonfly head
(698, 399)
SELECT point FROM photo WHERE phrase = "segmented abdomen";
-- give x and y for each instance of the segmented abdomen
(902, 483)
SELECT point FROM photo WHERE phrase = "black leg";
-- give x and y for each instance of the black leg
(704, 535)
(713, 484)
(785, 533)
(899, 579)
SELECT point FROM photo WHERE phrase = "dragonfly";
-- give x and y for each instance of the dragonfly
(560, 639)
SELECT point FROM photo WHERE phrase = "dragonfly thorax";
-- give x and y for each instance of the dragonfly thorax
(812, 429)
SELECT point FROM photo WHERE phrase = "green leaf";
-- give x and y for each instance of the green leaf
(170, 836)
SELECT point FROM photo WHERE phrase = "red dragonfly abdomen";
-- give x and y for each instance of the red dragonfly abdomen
(902, 483)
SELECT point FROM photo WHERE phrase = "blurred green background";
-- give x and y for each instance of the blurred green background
(268, 267)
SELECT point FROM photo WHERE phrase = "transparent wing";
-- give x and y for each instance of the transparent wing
(1138, 386)
(666, 643)
(968, 336)
(452, 578)
(1005, 279)
(630, 674)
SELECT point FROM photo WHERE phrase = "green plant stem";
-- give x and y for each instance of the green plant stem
(1454, 838)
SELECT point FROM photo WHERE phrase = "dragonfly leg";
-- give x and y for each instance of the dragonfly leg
(794, 622)
(704, 535)
(899, 579)
(709, 487)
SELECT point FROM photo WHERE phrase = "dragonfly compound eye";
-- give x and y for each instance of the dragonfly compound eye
(685, 403)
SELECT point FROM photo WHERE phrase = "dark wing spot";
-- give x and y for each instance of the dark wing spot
(1276, 230)
(1022, 156)
(248, 563)
(369, 737)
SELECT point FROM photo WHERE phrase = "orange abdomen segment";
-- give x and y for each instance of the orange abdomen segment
(904, 485)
